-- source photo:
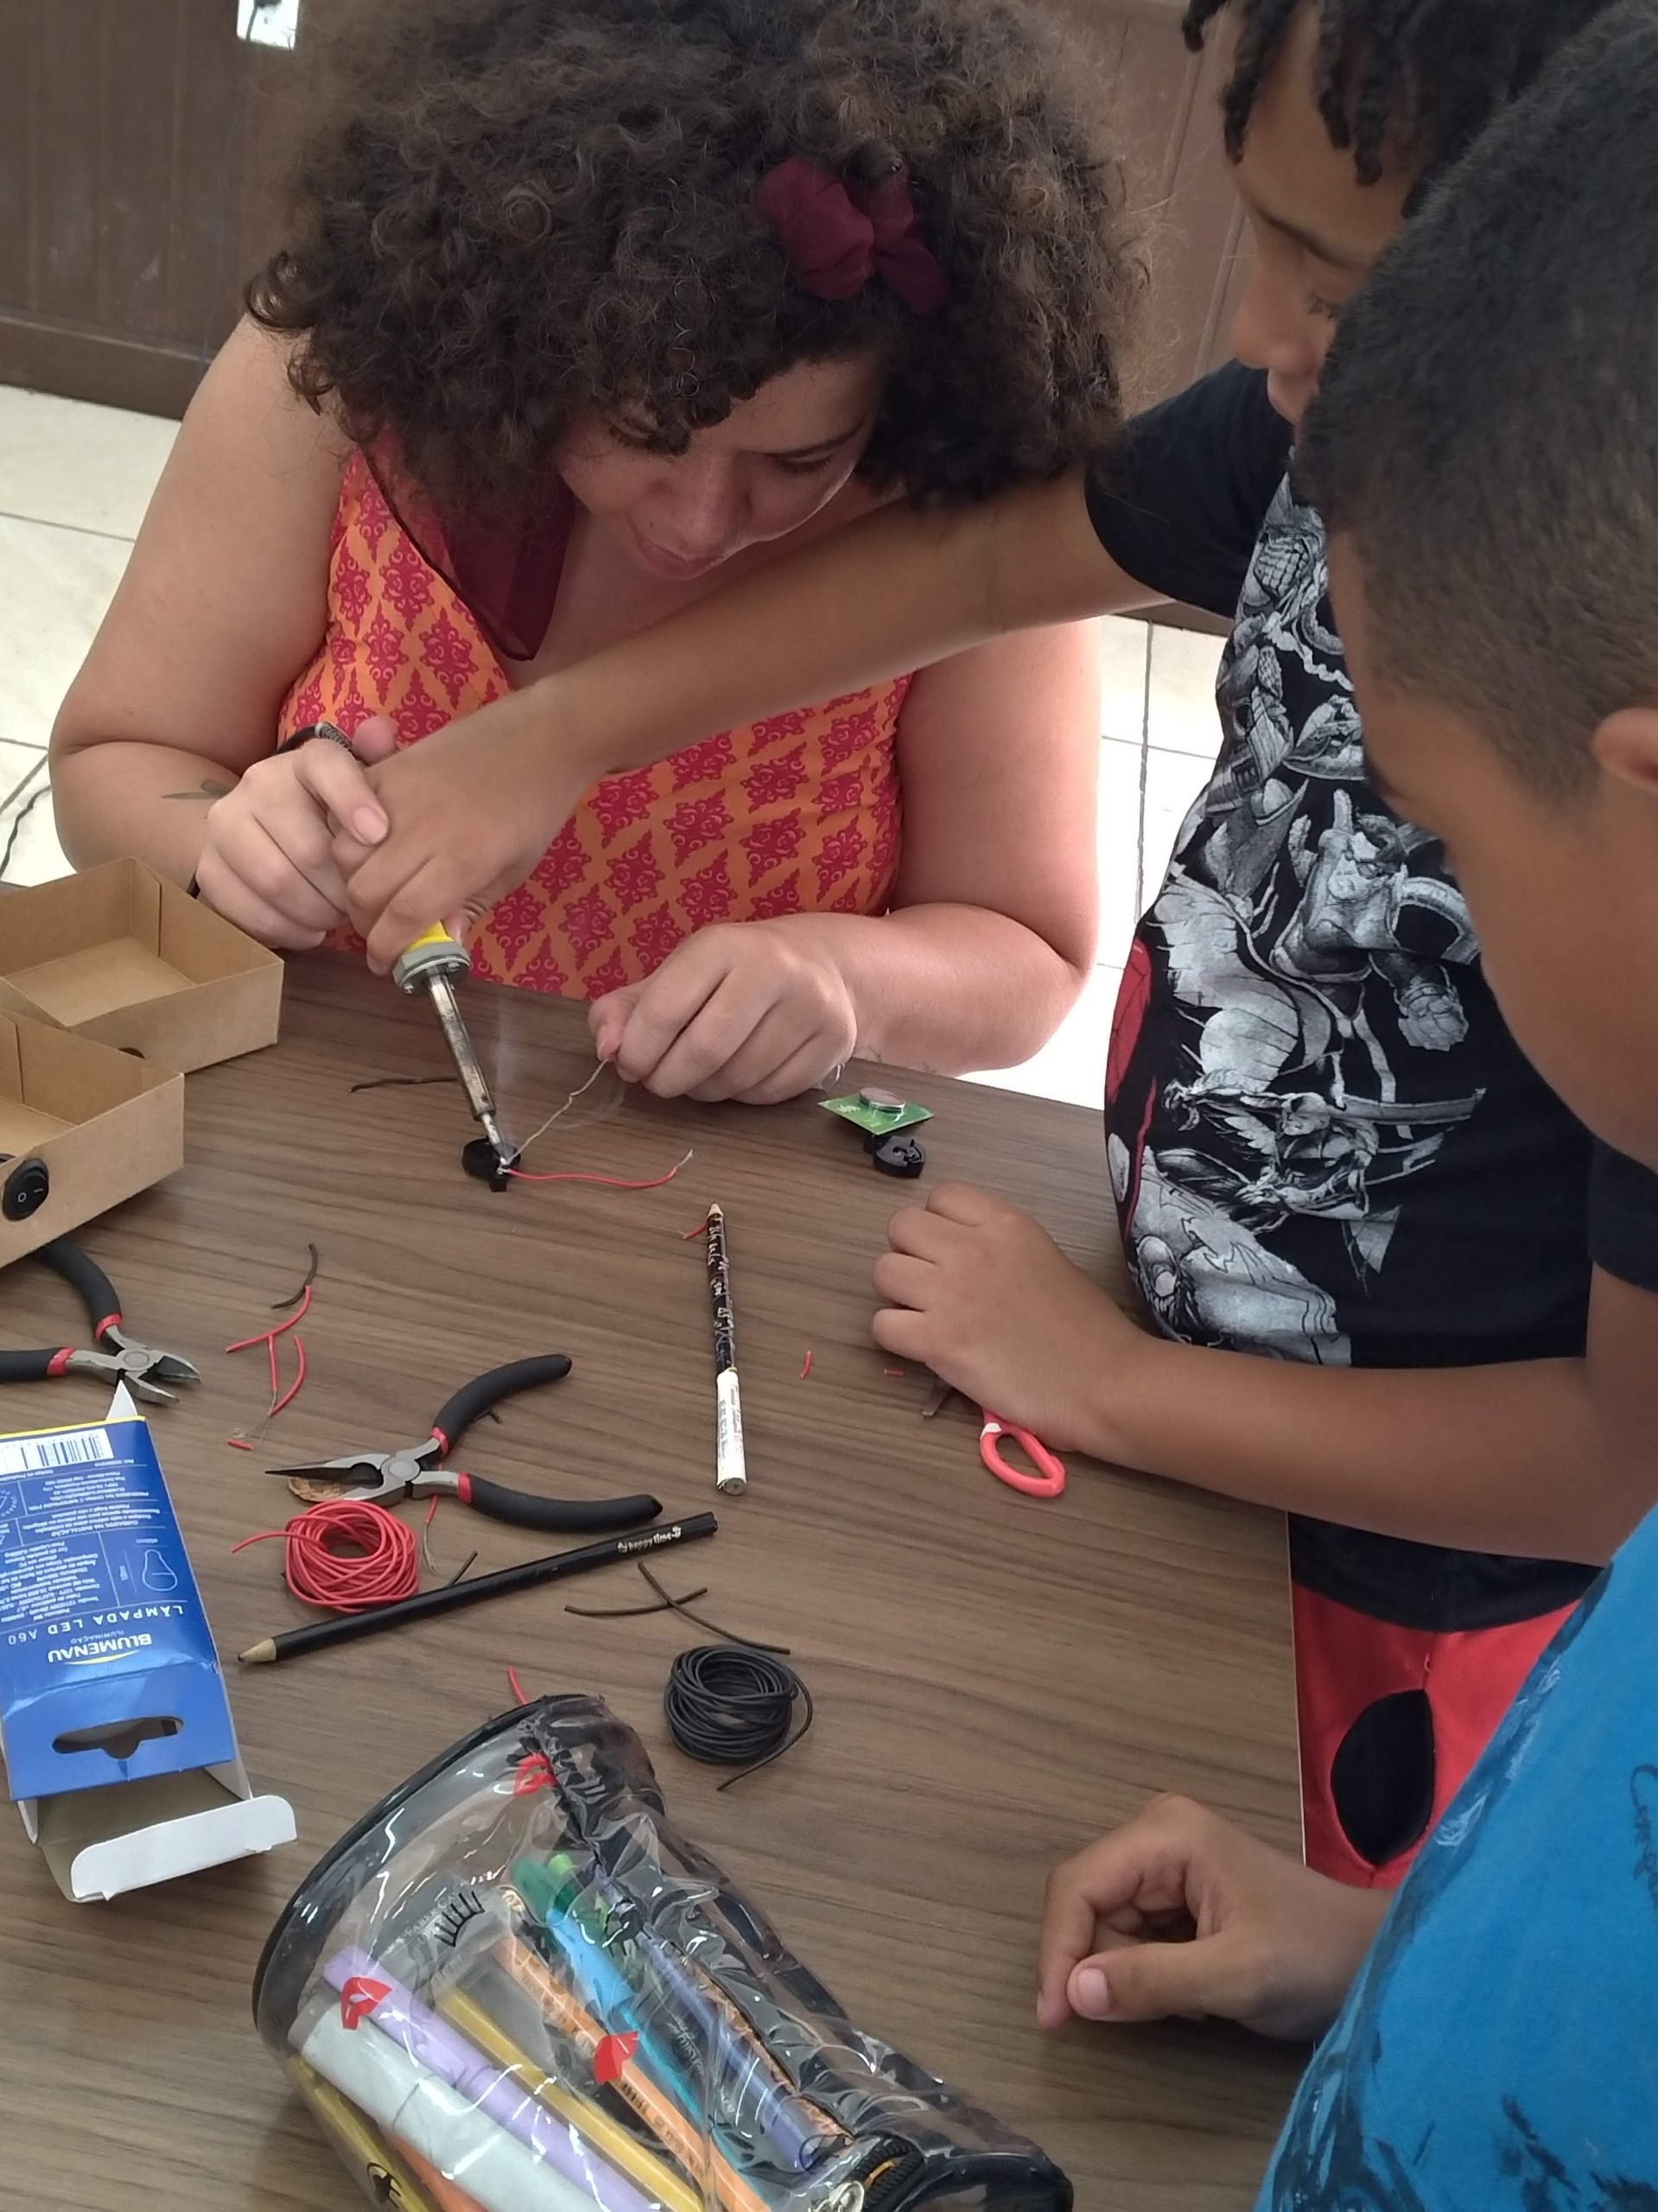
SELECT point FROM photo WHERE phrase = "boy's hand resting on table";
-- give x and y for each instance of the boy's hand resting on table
(742, 1010)
(1180, 1913)
(975, 1290)
(267, 861)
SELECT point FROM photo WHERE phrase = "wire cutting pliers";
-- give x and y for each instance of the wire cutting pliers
(416, 1469)
(118, 1358)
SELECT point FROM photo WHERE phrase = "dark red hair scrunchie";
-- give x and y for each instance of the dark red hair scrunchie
(837, 235)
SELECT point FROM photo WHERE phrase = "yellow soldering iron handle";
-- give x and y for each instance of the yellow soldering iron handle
(437, 935)
(433, 952)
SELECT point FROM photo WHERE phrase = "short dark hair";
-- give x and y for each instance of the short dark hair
(508, 211)
(1486, 429)
(1419, 77)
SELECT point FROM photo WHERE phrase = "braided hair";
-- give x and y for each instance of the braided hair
(1421, 77)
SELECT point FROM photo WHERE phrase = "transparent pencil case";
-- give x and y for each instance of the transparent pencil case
(513, 1987)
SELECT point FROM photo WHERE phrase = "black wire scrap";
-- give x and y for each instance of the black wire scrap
(17, 822)
(635, 1612)
(732, 1705)
(283, 1304)
(668, 1603)
(401, 1082)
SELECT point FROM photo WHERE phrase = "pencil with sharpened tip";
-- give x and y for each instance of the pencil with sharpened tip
(730, 1468)
(293, 1642)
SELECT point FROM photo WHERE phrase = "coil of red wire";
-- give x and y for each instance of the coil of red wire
(346, 1555)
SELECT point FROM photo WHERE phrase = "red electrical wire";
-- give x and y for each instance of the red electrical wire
(610, 1182)
(279, 1397)
(292, 1391)
(270, 1336)
(517, 1686)
(806, 1367)
(376, 1566)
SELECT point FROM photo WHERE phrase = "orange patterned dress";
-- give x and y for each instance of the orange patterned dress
(797, 815)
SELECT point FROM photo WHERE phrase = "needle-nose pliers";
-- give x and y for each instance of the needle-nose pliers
(417, 1470)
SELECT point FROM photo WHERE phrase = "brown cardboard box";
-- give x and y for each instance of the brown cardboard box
(104, 1125)
(120, 957)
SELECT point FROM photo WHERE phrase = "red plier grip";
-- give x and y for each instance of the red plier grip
(1048, 1481)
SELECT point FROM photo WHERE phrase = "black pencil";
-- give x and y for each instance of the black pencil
(548, 1568)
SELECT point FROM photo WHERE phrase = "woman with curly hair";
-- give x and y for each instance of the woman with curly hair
(586, 306)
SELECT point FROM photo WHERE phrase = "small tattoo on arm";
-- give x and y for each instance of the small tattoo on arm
(207, 788)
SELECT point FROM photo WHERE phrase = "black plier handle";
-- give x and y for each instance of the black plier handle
(118, 1358)
(416, 1469)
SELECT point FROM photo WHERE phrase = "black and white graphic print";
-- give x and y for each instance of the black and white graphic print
(1303, 1025)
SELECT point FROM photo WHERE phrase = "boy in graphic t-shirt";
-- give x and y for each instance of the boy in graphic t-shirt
(1493, 506)
(1357, 1217)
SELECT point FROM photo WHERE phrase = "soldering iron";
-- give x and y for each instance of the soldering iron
(435, 963)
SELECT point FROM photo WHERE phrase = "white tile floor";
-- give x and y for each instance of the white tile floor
(73, 484)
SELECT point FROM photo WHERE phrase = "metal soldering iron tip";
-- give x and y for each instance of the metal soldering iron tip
(506, 1152)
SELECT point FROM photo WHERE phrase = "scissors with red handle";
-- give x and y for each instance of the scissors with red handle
(1048, 1481)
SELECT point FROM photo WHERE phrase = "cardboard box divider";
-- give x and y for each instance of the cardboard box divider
(120, 957)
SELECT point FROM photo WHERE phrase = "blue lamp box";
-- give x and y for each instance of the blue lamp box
(119, 1749)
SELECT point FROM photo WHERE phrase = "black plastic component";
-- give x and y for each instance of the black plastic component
(27, 1366)
(86, 1278)
(898, 1154)
(473, 1400)
(95, 1290)
(26, 1188)
(482, 1160)
(558, 1515)
(889, 2170)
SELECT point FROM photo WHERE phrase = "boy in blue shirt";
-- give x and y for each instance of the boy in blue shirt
(1356, 1213)
(1492, 502)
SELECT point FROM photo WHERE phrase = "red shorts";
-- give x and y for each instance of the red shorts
(1392, 1720)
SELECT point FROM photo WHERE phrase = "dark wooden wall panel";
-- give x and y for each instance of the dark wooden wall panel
(139, 48)
(1179, 187)
(15, 87)
(65, 159)
(139, 144)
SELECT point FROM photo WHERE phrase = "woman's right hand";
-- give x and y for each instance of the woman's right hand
(267, 861)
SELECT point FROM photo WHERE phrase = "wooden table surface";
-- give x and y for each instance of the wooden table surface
(997, 1679)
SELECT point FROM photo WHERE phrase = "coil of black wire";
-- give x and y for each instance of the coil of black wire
(731, 1705)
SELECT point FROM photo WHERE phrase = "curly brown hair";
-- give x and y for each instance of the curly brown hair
(507, 211)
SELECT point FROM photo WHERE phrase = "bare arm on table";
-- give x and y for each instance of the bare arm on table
(898, 591)
(1538, 1457)
(164, 744)
(992, 927)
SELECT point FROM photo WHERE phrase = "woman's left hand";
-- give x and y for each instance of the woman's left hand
(749, 1011)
